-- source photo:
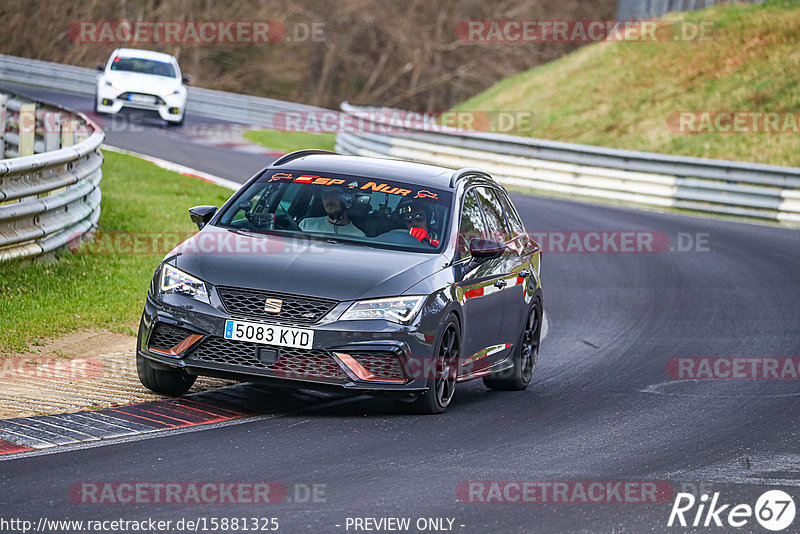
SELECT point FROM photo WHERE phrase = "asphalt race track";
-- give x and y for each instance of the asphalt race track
(602, 406)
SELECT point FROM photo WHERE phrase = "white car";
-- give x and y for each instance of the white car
(143, 80)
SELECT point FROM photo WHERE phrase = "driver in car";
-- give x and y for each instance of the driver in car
(336, 203)
(417, 217)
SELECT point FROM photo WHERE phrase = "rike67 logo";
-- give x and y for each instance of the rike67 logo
(774, 510)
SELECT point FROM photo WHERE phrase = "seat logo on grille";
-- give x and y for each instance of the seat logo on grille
(273, 305)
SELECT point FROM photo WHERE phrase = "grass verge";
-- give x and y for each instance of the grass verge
(291, 141)
(623, 94)
(103, 284)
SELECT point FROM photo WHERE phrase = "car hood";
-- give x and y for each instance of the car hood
(323, 269)
(137, 82)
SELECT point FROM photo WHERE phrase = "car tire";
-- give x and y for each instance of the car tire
(171, 382)
(441, 387)
(526, 353)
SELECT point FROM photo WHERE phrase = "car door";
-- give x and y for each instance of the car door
(523, 266)
(479, 292)
(508, 282)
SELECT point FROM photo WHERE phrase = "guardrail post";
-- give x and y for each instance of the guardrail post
(52, 131)
(27, 129)
(3, 123)
(67, 132)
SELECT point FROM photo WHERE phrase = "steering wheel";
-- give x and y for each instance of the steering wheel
(261, 220)
(399, 236)
(284, 220)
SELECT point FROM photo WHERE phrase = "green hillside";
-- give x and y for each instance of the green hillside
(621, 94)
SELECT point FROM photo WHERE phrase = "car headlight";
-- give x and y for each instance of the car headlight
(168, 92)
(173, 280)
(116, 85)
(396, 309)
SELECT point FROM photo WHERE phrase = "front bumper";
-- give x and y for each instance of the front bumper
(169, 108)
(359, 356)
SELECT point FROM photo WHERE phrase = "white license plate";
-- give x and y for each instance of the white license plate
(269, 334)
(142, 99)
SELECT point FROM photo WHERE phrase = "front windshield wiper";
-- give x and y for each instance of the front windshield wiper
(335, 241)
(331, 239)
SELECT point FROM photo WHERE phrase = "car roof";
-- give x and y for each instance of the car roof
(388, 169)
(144, 54)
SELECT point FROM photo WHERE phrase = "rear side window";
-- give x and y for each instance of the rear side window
(513, 223)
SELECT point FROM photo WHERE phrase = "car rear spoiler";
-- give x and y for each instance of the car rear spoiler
(463, 173)
(286, 158)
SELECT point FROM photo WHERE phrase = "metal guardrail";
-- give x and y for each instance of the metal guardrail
(697, 184)
(207, 102)
(702, 185)
(50, 183)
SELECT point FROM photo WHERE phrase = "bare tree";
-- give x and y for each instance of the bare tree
(379, 52)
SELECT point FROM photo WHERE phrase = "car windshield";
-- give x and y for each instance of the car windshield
(142, 66)
(370, 211)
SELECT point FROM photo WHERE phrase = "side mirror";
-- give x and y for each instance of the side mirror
(186, 79)
(100, 68)
(200, 215)
(485, 249)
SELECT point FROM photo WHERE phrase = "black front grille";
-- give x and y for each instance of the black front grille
(301, 364)
(294, 308)
(382, 365)
(166, 336)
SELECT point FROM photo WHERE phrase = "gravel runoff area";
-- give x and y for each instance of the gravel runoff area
(79, 371)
